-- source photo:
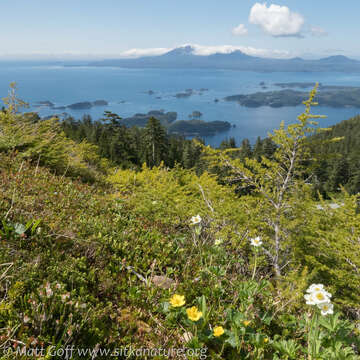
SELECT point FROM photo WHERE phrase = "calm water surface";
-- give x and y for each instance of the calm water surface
(126, 91)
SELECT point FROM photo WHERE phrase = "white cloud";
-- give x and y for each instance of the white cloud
(201, 50)
(204, 50)
(145, 52)
(318, 31)
(240, 30)
(248, 50)
(276, 20)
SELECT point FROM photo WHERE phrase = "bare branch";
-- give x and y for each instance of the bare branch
(207, 202)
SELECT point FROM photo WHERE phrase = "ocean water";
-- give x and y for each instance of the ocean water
(126, 90)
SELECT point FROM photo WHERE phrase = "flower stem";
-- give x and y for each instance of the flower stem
(254, 271)
(311, 336)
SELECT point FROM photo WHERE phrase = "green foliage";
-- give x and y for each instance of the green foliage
(247, 332)
(276, 180)
(44, 143)
(339, 150)
(132, 146)
(95, 265)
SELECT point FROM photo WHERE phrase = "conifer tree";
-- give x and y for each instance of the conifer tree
(339, 175)
(155, 142)
(246, 151)
(277, 182)
(268, 147)
(258, 149)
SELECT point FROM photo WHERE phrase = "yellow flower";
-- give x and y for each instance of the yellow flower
(218, 331)
(246, 322)
(193, 313)
(266, 340)
(177, 300)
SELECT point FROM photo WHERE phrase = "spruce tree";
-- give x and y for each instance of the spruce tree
(258, 149)
(246, 151)
(339, 175)
(155, 143)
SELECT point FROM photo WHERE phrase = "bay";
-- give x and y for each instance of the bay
(126, 90)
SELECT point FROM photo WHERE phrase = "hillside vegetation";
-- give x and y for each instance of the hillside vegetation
(235, 259)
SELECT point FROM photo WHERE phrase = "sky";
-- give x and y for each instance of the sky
(131, 28)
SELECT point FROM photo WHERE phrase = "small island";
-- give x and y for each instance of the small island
(332, 96)
(192, 127)
(100, 103)
(189, 92)
(80, 105)
(186, 94)
(45, 103)
(83, 105)
(198, 127)
(141, 120)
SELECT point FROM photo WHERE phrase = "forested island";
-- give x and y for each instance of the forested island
(82, 105)
(332, 96)
(198, 127)
(193, 127)
(139, 119)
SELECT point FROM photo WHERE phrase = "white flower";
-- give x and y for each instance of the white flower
(317, 295)
(256, 241)
(335, 206)
(310, 299)
(315, 287)
(26, 319)
(326, 308)
(196, 220)
(320, 297)
(218, 242)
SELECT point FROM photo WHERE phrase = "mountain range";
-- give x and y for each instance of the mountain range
(185, 57)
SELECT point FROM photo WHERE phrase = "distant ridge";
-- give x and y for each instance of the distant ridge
(186, 57)
(338, 59)
(180, 51)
